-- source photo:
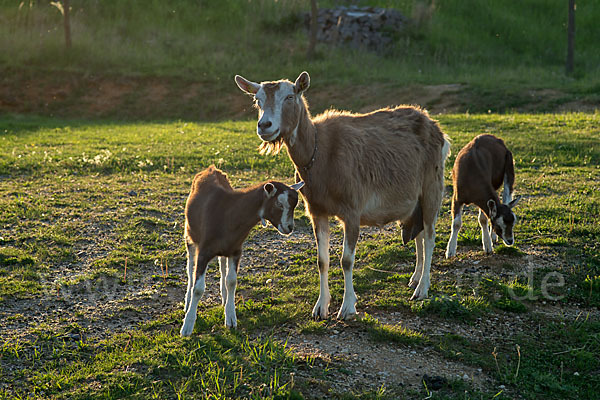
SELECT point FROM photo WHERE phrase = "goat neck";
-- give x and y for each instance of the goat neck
(483, 204)
(247, 209)
(303, 150)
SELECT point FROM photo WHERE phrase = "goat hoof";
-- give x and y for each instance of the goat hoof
(230, 318)
(347, 312)
(320, 310)
(346, 316)
(319, 314)
(186, 330)
(417, 298)
(419, 294)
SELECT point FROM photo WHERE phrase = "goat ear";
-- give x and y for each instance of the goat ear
(298, 186)
(302, 82)
(246, 86)
(492, 206)
(269, 190)
(514, 202)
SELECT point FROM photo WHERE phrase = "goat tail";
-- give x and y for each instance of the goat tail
(509, 176)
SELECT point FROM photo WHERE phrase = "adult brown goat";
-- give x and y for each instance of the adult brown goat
(364, 169)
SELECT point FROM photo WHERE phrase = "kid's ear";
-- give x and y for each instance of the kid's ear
(269, 190)
(298, 186)
(514, 202)
(246, 86)
(492, 206)
(302, 82)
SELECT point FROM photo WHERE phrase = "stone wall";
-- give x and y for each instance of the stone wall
(359, 27)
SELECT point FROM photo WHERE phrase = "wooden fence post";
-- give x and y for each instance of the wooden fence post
(570, 38)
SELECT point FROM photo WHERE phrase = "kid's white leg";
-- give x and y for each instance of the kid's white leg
(456, 225)
(485, 233)
(223, 286)
(191, 250)
(231, 283)
(197, 292)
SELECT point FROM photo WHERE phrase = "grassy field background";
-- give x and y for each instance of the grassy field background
(176, 55)
(98, 147)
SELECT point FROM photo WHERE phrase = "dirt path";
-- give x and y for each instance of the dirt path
(89, 96)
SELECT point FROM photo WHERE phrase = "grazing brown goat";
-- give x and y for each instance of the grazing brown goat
(218, 219)
(479, 170)
(364, 169)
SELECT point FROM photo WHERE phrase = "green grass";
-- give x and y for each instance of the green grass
(155, 364)
(93, 211)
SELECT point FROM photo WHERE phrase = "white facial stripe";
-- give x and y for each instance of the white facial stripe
(286, 220)
(501, 224)
(272, 108)
(506, 238)
(285, 89)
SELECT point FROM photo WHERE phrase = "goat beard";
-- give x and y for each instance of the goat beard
(272, 147)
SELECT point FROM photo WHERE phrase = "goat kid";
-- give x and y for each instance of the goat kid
(479, 170)
(218, 219)
(364, 169)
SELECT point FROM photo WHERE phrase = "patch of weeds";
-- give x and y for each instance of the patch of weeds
(457, 347)
(125, 254)
(130, 308)
(591, 287)
(312, 327)
(10, 256)
(19, 276)
(510, 305)
(455, 307)
(16, 317)
(511, 251)
(12, 350)
(391, 333)
(506, 296)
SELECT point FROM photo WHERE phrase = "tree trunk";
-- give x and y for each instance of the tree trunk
(312, 40)
(571, 38)
(67, 21)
